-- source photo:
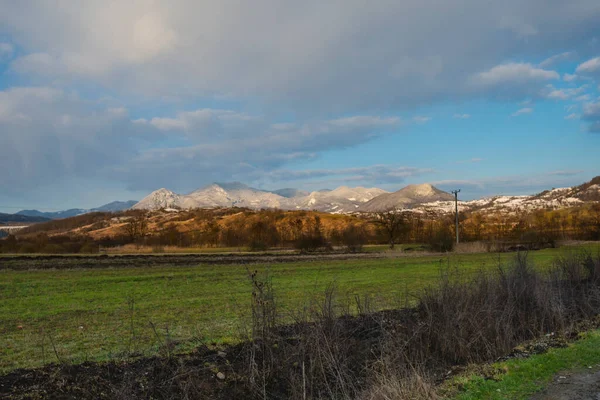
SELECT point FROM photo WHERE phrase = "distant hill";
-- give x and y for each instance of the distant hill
(553, 199)
(115, 206)
(110, 207)
(406, 197)
(6, 218)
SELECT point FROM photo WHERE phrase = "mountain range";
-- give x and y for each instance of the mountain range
(419, 198)
(110, 207)
(17, 218)
(341, 200)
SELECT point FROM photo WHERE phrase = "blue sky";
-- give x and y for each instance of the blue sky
(109, 100)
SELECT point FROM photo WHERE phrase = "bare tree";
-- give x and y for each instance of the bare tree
(393, 222)
(137, 227)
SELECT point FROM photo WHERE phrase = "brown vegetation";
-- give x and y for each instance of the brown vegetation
(303, 230)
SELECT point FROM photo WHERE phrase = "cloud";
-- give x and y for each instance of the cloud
(565, 173)
(461, 116)
(513, 80)
(553, 93)
(570, 77)
(374, 174)
(590, 67)
(514, 73)
(421, 119)
(517, 25)
(585, 97)
(522, 111)
(6, 51)
(49, 135)
(572, 116)
(340, 57)
(570, 107)
(591, 114)
(472, 160)
(557, 59)
(225, 145)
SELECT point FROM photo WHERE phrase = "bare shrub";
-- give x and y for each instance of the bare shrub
(353, 237)
(412, 386)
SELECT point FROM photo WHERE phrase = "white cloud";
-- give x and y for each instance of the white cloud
(514, 73)
(564, 93)
(591, 110)
(585, 97)
(522, 111)
(572, 116)
(472, 160)
(557, 94)
(374, 174)
(421, 119)
(591, 113)
(589, 67)
(461, 116)
(513, 81)
(570, 77)
(556, 59)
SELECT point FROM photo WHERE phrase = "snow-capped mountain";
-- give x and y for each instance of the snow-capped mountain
(161, 198)
(549, 199)
(418, 198)
(340, 200)
(234, 194)
(406, 197)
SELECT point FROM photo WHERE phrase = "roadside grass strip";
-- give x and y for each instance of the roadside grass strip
(525, 377)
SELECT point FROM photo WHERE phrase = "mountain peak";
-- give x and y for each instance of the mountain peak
(232, 185)
(422, 190)
(162, 190)
(407, 197)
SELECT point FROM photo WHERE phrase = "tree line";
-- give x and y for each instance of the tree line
(305, 230)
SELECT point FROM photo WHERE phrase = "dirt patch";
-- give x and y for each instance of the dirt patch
(123, 261)
(572, 386)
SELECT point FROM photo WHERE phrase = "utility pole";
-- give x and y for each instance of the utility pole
(455, 192)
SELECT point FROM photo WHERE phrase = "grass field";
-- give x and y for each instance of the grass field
(525, 377)
(75, 315)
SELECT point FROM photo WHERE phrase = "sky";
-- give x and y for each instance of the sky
(104, 100)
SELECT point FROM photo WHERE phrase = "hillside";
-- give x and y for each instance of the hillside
(12, 218)
(406, 197)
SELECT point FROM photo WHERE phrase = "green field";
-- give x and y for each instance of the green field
(75, 315)
(525, 377)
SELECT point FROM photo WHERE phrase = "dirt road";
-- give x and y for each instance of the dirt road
(572, 386)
